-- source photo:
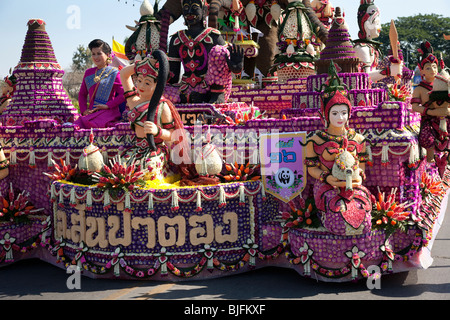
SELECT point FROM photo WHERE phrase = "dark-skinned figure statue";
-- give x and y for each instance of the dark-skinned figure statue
(208, 61)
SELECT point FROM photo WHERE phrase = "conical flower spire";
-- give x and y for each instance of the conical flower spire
(338, 47)
(37, 46)
(39, 90)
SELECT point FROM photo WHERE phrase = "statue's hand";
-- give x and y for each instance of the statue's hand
(236, 60)
(442, 111)
(150, 128)
(335, 182)
(397, 70)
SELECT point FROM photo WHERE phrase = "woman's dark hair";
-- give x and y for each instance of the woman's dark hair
(97, 43)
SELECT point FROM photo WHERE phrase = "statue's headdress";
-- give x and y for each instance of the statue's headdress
(10, 81)
(203, 2)
(333, 92)
(426, 55)
(147, 67)
(365, 14)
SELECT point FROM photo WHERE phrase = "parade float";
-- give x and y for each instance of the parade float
(249, 202)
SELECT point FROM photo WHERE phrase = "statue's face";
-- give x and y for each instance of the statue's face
(338, 115)
(193, 12)
(373, 25)
(145, 86)
(429, 72)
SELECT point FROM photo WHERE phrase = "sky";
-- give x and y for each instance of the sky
(70, 23)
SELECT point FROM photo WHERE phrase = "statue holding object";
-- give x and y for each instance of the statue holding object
(155, 120)
(336, 158)
(431, 136)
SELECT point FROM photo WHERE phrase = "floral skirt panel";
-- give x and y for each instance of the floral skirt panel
(343, 212)
(431, 135)
(155, 161)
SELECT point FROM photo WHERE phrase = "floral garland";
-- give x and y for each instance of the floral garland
(8, 244)
(94, 194)
(163, 265)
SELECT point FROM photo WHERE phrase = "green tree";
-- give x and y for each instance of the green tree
(81, 59)
(414, 30)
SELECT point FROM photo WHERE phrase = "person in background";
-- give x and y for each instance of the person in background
(101, 92)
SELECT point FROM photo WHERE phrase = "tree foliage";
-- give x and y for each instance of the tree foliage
(414, 30)
(81, 59)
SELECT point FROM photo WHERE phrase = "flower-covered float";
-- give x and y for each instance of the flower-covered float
(261, 191)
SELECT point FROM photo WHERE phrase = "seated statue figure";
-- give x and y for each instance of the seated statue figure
(208, 61)
(152, 115)
(344, 206)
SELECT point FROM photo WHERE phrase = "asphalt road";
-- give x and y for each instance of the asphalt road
(37, 280)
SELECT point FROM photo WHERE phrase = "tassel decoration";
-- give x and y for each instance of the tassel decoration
(369, 154)
(150, 208)
(73, 202)
(67, 157)
(52, 192)
(385, 154)
(50, 160)
(175, 205)
(199, 201)
(414, 154)
(263, 192)
(32, 162)
(13, 157)
(127, 202)
(241, 195)
(61, 198)
(106, 200)
(222, 198)
(89, 199)
(105, 155)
